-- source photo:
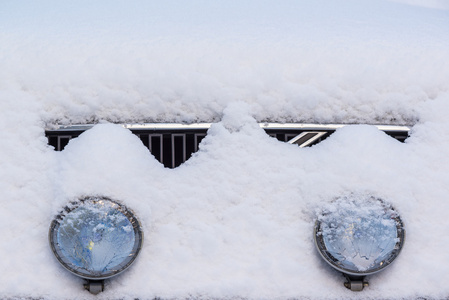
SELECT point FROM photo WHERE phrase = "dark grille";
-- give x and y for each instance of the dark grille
(171, 148)
(173, 144)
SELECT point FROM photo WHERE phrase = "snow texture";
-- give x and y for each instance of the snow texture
(236, 220)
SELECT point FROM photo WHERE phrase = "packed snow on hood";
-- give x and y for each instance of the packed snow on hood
(236, 220)
(349, 61)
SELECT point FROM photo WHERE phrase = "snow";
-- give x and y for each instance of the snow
(439, 4)
(236, 220)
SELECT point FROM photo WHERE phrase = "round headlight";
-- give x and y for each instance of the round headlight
(359, 235)
(96, 238)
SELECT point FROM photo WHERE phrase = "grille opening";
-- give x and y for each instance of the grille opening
(156, 146)
(398, 135)
(172, 145)
(285, 137)
(178, 143)
(145, 140)
(61, 139)
(170, 148)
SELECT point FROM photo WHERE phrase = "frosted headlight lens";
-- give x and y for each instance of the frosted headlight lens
(96, 238)
(359, 235)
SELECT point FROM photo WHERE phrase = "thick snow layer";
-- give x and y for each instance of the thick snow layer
(236, 220)
(311, 61)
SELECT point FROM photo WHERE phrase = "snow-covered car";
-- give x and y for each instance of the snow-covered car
(224, 149)
(104, 245)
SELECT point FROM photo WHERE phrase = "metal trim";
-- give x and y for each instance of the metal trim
(296, 139)
(161, 146)
(195, 140)
(172, 126)
(60, 137)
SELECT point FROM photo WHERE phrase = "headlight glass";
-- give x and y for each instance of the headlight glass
(96, 238)
(359, 235)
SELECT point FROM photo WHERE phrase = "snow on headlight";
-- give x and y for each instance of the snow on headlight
(359, 235)
(95, 239)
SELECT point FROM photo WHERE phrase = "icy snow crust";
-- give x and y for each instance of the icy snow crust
(236, 220)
